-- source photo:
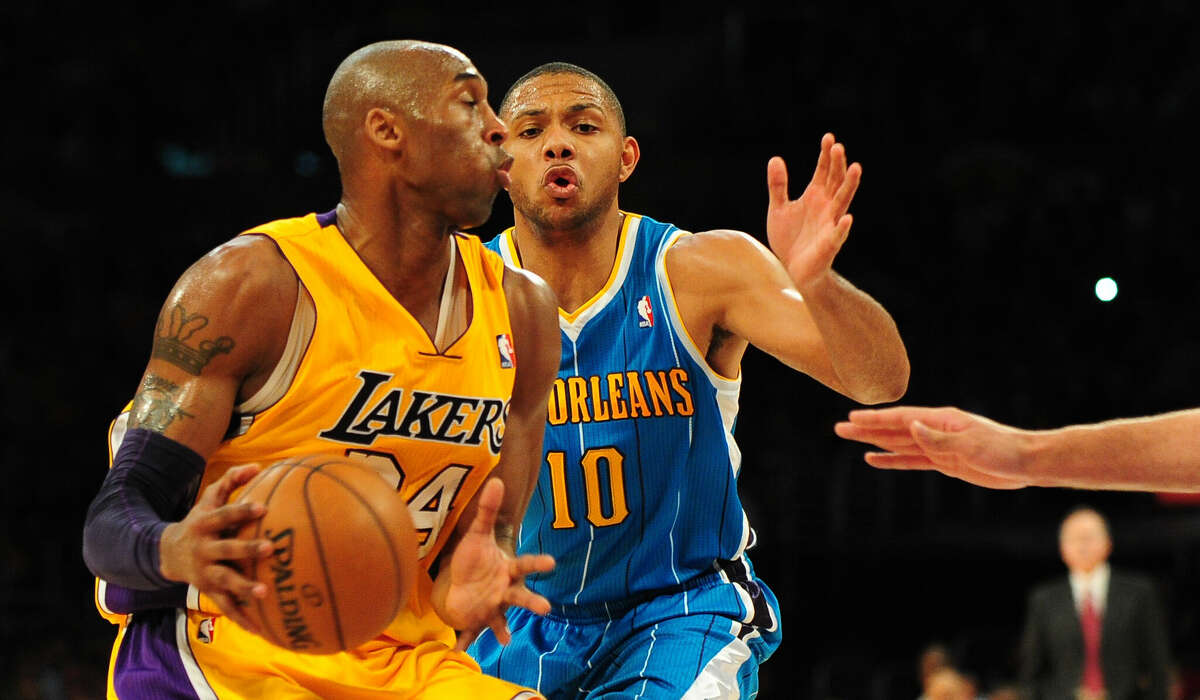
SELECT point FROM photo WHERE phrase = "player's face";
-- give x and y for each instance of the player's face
(454, 148)
(568, 150)
(1084, 542)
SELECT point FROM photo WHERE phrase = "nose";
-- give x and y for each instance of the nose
(558, 146)
(496, 131)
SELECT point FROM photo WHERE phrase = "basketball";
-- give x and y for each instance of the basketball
(345, 553)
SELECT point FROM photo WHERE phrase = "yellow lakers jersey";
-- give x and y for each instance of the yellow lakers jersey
(371, 383)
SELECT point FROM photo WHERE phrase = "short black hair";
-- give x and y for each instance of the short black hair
(555, 67)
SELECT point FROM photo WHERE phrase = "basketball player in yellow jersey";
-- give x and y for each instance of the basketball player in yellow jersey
(377, 330)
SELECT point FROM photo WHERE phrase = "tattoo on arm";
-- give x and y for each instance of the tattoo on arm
(174, 329)
(157, 404)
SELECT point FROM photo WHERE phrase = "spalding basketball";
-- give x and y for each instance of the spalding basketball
(345, 553)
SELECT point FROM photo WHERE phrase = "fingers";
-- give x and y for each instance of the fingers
(821, 172)
(923, 463)
(230, 608)
(529, 564)
(837, 167)
(847, 189)
(522, 597)
(488, 505)
(231, 517)
(777, 182)
(234, 549)
(894, 418)
(224, 579)
(931, 440)
(889, 460)
(500, 628)
(898, 440)
(217, 493)
(465, 637)
(841, 232)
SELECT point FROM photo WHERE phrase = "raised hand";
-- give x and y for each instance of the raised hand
(483, 580)
(808, 232)
(194, 549)
(956, 443)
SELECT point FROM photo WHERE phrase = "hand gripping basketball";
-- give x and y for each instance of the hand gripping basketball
(194, 549)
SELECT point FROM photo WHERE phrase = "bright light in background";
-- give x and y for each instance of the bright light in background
(1106, 289)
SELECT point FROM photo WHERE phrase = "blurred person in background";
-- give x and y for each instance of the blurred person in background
(1097, 633)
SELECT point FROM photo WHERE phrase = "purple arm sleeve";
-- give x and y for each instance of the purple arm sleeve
(123, 600)
(151, 482)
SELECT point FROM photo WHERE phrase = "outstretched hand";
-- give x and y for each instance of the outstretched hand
(956, 443)
(808, 232)
(483, 580)
(197, 551)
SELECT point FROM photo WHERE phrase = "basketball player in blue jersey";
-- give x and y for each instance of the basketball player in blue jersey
(653, 595)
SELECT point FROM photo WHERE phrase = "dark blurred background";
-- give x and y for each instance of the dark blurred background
(1013, 156)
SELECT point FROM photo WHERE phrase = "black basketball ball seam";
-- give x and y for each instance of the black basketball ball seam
(386, 537)
(312, 521)
(262, 615)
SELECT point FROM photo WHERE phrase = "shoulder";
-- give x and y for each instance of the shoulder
(245, 266)
(1049, 589)
(532, 307)
(718, 257)
(1130, 580)
(525, 289)
(244, 284)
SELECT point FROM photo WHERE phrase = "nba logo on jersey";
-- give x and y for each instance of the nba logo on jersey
(646, 312)
(508, 356)
(204, 631)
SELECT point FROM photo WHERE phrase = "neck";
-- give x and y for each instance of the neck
(574, 262)
(406, 249)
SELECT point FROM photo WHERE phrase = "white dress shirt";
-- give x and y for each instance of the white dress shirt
(1095, 583)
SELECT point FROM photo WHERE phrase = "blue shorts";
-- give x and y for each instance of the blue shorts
(704, 641)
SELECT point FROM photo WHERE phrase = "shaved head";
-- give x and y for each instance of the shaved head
(394, 75)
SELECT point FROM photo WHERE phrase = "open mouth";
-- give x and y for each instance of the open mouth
(561, 182)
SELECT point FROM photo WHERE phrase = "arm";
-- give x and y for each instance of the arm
(787, 300)
(1155, 453)
(219, 333)
(484, 576)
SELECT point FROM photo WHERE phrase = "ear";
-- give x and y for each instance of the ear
(631, 153)
(383, 129)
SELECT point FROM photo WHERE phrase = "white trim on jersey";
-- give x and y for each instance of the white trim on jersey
(101, 593)
(719, 678)
(199, 683)
(727, 389)
(574, 325)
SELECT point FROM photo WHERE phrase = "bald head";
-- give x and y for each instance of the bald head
(394, 75)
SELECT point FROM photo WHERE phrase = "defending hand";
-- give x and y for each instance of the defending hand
(956, 443)
(808, 232)
(482, 580)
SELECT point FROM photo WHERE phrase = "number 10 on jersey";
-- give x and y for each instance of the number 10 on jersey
(613, 462)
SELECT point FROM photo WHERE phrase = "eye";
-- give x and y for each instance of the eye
(586, 128)
(529, 132)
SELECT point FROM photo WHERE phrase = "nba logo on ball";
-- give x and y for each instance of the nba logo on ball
(508, 356)
(645, 312)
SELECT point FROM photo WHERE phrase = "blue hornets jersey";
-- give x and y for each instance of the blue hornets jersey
(637, 492)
